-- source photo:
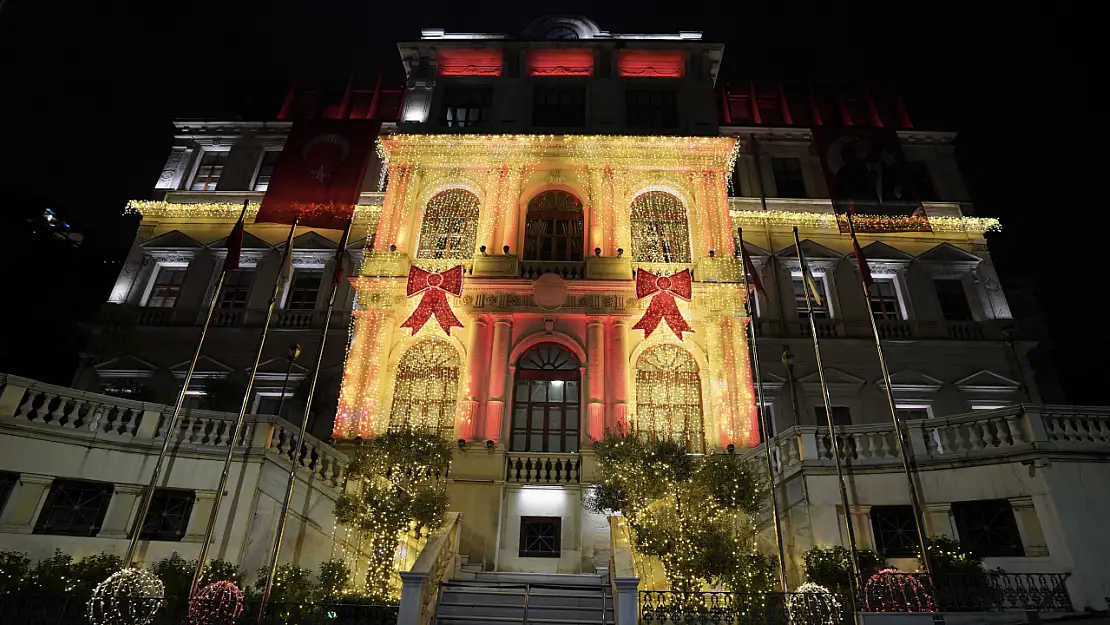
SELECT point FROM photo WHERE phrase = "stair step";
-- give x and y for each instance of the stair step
(483, 620)
(517, 611)
(555, 579)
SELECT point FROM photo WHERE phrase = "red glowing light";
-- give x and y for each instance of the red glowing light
(651, 63)
(556, 62)
(468, 62)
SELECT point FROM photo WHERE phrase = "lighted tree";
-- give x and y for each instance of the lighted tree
(400, 489)
(695, 513)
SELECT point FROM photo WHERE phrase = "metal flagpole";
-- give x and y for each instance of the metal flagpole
(749, 307)
(904, 450)
(171, 425)
(855, 586)
(233, 440)
(292, 478)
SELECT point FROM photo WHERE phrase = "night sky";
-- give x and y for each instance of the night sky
(89, 90)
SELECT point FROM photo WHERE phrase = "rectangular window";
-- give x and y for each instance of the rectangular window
(209, 171)
(8, 480)
(883, 295)
(74, 508)
(540, 536)
(820, 310)
(922, 181)
(465, 107)
(841, 415)
(168, 516)
(303, 289)
(236, 288)
(895, 531)
(559, 108)
(953, 299)
(987, 528)
(268, 403)
(767, 414)
(651, 108)
(907, 412)
(167, 287)
(266, 170)
(194, 399)
(788, 177)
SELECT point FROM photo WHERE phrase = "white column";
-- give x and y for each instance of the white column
(477, 361)
(18, 517)
(595, 378)
(498, 372)
(119, 519)
(617, 387)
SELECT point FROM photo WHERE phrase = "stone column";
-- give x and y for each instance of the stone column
(510, 210)
(24, 503)
(477, 360)
(595, 376)
(938, 520)
(617, 388)
(198, 519)
(1029, 527)
(498, 372)
(120, 519)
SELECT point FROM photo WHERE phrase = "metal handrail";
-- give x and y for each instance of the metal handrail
(527, 592)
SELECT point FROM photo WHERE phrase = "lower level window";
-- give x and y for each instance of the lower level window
(539, 536)
(987, 528)
(74, 508)
(895, 531)
(7, 485)
(168, 516)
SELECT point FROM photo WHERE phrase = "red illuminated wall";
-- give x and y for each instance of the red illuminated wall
(463, 62)
(560, 63)
(651, 63)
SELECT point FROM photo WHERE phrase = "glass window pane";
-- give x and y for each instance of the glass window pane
(555, 419)
(539, 391)
(537, 418)
(520, 417)
(536, 443)
(555, 391)
(518, 442)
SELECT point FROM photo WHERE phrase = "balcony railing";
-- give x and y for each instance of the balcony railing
(543, 468)
(889, 329)
(126, 314)
(568, 270)
(979, 434)
(87, 417)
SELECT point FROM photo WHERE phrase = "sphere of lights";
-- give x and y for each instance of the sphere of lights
(891, 590)
(218, 603)
(128, 597)
(813, 604)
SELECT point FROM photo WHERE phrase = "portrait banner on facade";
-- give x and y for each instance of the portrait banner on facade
(866, 166)
(319, 174)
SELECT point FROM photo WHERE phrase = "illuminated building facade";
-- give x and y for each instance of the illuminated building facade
(551, 167)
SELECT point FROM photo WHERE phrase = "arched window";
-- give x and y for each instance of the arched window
(660, 231)
(553, 228)
(546, 402)
(426, 389)
(450, 225)
(668, 396)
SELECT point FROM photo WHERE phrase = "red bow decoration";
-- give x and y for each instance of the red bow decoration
(663, 306)
(435, 287)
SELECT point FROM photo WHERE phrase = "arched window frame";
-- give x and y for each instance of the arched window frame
(547, 400)
(546, 220)
(682, 392)
(449, 227)
(415, 393)
(660, 228)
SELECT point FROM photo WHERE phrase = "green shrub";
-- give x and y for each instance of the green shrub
(15, 567)
(832, 567)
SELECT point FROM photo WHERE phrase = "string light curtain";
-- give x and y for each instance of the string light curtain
(554, 228)
(668, 396)
(660, 230)
(426, 390)
(450, 226)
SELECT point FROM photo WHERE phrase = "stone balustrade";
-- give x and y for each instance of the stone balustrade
(435, 565)
(982, 434)
(543, 468)
(74, 414)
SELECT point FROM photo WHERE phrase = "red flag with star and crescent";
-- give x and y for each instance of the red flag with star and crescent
(319, 174)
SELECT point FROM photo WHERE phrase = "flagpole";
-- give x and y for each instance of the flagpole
(232, 442)
(832, 428)
(291, 480)
(749, 308)
(904, 450)
(171, 425)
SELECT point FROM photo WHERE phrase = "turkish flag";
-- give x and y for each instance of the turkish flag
(319, 173)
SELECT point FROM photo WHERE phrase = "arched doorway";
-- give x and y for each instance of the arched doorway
(426, 390)
(546, 400)
(668, 396)
(553, 227)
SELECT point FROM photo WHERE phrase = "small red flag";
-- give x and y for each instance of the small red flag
(319, 174)
(749, 267)
(340, 255)
(864, 268)
(234, 246)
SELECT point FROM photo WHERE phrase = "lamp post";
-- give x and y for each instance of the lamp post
(294, 354)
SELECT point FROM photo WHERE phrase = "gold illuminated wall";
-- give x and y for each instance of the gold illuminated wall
(618, 180)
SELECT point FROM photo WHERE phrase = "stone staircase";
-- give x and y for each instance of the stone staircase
(476, 597)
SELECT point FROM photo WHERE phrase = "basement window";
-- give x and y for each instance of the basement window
(539, 536)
